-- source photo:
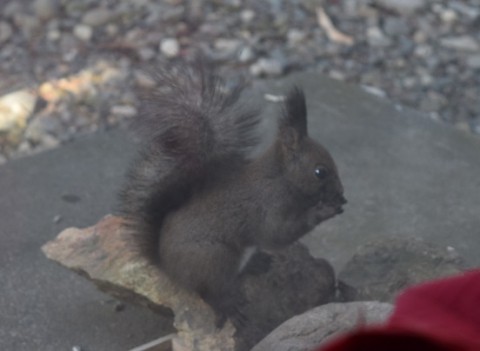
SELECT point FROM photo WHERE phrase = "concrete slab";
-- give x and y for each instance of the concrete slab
(43, 306)
(404, 176)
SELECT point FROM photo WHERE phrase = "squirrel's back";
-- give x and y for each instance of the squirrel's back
(191, 126)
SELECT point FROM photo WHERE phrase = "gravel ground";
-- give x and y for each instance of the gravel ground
(72, 67)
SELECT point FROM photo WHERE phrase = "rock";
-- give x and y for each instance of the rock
(170, 47)
(462, 43)
(83, 32)
(473, 61)
(104, 255)
(247, 16)
(268, 67)
(97, 17)
(295, 36)
(376, 38)
(5, 32)
(448, 16)
(146, 53)
(228, 47)
(11, 8)
(394, 26)
(46, 9)
(403, 6)
(15, 109)
(246, 54)
(472, 12)
(123, 110)
(28, 24)
(311, 329)
(381, 269)
(40, 126)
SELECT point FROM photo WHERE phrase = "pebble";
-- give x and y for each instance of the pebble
(412, 49)
(3, 159)
(123, 110)
(228, 46)
(247, 16)
(473, 61)
(146, 53)
(6, 31)
(246, 54)
(83, 32)
(45, 9)
(403, 6)
(97, 17)
(448, 16)
(295, 36)
(170, 47)
(396, 26)
(266, 66)
(376, 38)
(463, 43)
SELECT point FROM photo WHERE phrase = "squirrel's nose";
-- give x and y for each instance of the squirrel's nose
(342, 200)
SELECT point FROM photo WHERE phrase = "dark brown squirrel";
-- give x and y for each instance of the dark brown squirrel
(195, 202)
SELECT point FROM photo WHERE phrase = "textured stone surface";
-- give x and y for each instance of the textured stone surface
(313, 328)
(382, 268)
(102, 254)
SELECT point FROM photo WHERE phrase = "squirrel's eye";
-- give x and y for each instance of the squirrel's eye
(321, 172)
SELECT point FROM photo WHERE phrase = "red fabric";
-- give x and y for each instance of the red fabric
(442, 315)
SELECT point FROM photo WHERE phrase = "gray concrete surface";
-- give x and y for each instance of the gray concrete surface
(44, 306)
(404, 176)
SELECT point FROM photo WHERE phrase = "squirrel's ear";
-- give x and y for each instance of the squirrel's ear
(295, 112)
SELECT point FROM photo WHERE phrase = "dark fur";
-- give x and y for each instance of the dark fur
(193, 201)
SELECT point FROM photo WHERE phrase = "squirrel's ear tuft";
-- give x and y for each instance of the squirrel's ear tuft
(295, 111)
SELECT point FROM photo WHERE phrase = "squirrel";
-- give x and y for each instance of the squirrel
(195, 202)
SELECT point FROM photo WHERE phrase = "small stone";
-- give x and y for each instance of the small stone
(461, 43)
(246, 54)
(57, 219)
(54, 35)
(97, 17)
(228, 46)
(473, 61)
(423, 50)
(295, 36)
(27, 24)
(376, 38)
(374, 91)
(3, 159)
(403, 6)
(76, 348)
(247, 16)
(448, 16)
(40, 126)
(15, 108)
(170, 47)
(111, 29)
(11, 9)
(420, 37)
(83, 32)
(123, 110)
(269, 67)
(472, 12)
(395, 26)
(45, 9)
(336, 74)
(146, 53)
(5, 31)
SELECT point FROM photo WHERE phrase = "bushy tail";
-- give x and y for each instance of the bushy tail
(190, 124)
